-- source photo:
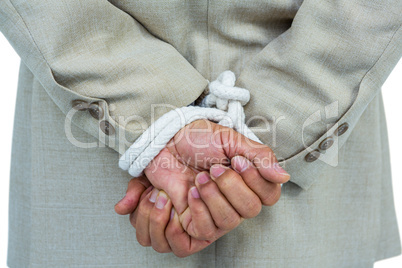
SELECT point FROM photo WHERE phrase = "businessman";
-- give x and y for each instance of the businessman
(96, 74)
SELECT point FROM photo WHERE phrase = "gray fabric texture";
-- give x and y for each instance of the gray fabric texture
(310, 66)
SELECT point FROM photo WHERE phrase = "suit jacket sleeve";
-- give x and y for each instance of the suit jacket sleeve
(319, 75)
(93, 51)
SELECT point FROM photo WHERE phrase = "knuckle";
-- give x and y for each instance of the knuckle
(155, 219)
(182, 253)
(265, 157)
(227, 180)
(229, 222)
(163, 249)
(145, 242)
(206, 235)
(198, 211)
(143, 209)
(208, 191)
(263, 150)
(273, 196)
(172, 231)
(268, 149)
(253, 208)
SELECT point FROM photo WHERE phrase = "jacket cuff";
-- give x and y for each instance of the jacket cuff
(304, 167)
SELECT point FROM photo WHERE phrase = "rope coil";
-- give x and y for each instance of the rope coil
(228, 100)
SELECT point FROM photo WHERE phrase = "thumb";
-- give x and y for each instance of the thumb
(136, 189)
(260, 155)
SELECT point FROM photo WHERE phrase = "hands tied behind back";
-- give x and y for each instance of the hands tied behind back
(195, 162)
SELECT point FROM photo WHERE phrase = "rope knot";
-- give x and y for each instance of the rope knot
(223, 90)
(223, 94)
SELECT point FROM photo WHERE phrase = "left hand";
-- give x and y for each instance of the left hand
(212, 212)
(202, 144)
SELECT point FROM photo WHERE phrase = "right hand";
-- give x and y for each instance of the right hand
(198, 147)
(212, 214)
(258, 169)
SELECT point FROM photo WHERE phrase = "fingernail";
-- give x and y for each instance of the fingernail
(194, 192)
(153, 196)
(279, 169)
(217, 170)
(202, 178)
(162, 200)
(240, 163)
(172, 214)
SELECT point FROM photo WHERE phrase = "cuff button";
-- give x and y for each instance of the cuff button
(312, 156)
(79, 105)
(326, 143)
(341, 129)
(95, 111)
(106, 127)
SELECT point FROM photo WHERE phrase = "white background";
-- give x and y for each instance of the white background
(9, 64)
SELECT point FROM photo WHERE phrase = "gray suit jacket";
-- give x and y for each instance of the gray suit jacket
(314, 69)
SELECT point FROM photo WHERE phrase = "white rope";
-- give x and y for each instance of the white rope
(227, 99)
